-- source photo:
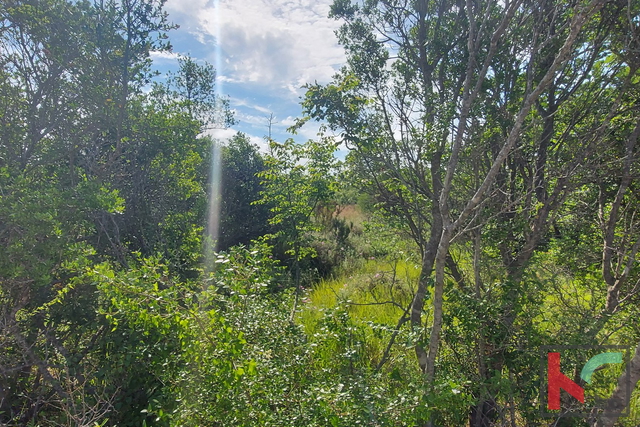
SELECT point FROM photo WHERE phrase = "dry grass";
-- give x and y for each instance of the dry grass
(354, 216)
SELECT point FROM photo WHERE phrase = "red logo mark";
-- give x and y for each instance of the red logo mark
(558, 380)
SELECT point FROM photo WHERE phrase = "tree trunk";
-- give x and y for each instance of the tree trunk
(620, 399)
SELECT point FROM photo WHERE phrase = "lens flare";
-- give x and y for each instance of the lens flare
(213, 218)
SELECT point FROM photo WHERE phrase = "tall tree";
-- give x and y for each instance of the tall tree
(77, 140)
(241, 220)
(297, 179)
(475, 121)
(194, 85)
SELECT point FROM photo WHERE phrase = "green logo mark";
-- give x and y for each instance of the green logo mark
(596, 361)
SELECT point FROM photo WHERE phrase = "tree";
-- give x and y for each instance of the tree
(163, 179)
(241, 220)
(296, 180)
(79, 144)
(474, 122)
(194, 85)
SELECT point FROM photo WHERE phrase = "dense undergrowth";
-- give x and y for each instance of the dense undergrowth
(237, 359)
(488, 206)
(228, 354)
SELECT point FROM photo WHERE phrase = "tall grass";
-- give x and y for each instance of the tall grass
(373, 298)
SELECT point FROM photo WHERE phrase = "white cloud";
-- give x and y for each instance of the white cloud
(160, 55)
(252, 105)
(289, 121)
(186, 7)
(222, 134)
(310, 130)
(277, 43)
(263, 51)
(262, 121)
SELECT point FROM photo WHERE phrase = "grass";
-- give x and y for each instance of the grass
(374, 293)
(374, 296)
(354, 216)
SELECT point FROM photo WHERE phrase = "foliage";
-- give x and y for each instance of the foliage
(193, 88)
(297, 179)
(91, 171)
(478, 127)
(241, 220)
(296, 182)
(493, 148)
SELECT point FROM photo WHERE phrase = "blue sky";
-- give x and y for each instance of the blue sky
(264, 51)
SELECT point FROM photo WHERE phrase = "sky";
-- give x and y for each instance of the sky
(264, 51)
